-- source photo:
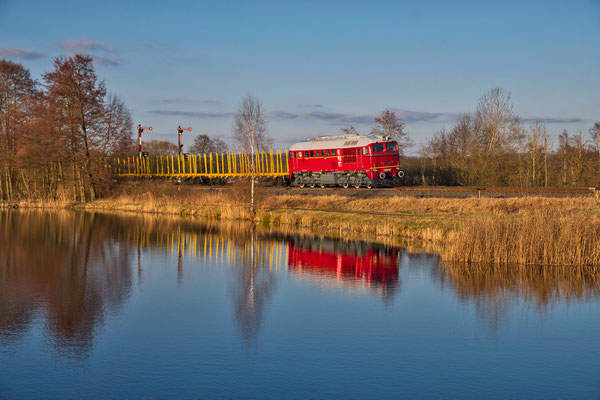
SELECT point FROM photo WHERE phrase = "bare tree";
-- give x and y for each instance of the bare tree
(78, 96)
(251, 133)
(535, 146)
(68, 121)
(16, 90)
(161, 148)
(388, 124)
(578, 163)
(564, 148)
(351, 130)
(545, 145)
(118, 128)
(204, 144)
(595, 134)
(493, 117)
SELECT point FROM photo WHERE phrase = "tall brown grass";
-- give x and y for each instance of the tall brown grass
(545, 236)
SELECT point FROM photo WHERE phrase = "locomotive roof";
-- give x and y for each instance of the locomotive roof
(338, 142)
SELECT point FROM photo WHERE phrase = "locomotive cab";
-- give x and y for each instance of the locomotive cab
(383, 159)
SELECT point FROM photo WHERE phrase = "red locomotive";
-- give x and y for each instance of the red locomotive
(345, 160)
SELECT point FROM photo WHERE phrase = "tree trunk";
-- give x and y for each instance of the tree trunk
(533, 171)
(253, 173)
(546, 169)
(88, 164)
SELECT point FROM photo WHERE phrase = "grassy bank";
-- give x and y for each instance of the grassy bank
(534, 230)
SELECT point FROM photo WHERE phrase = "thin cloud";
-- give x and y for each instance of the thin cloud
(25, 54)
(312, 106)
(365, 119)
(171, 101)
(208, 102)
(338, 118)
(106, 61)
(555, 120)
(283, 115)
(410, 116)
(192, 114)
(75, 45)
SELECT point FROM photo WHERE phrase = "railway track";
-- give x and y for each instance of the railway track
(580, 191)
(429, 191)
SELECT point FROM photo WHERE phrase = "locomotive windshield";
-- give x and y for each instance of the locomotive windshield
(384, 147)
(377, 148)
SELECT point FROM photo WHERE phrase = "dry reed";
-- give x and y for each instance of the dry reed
(544, 236)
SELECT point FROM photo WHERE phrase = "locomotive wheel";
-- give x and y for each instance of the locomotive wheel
(369, 185)
(301, 183)
(357, 184)
(312, 184)
(322, 185)
(345, 185)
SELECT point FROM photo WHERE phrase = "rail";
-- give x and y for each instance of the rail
(500, 190)
(218, 165)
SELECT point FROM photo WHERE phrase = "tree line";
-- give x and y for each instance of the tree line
(493, 147)
(56, 134)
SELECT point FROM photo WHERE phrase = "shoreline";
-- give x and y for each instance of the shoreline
(533, 230)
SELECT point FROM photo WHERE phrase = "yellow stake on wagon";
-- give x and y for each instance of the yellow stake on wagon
(272, 164)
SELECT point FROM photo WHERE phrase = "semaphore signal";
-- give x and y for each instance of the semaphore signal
(180, 130)
(140, 130)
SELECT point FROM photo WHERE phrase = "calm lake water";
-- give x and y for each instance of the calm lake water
(101, 306)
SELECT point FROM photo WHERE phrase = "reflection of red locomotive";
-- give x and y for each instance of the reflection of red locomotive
(358, 265)
(345, 160)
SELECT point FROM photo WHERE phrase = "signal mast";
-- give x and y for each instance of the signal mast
(179, 132)
(140, 130)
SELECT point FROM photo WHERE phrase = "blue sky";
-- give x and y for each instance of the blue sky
(319, 66)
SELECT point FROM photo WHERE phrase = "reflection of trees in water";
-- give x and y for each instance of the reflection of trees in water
(65, 266)
(252, 255)
(254, 286)
(494, 288)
